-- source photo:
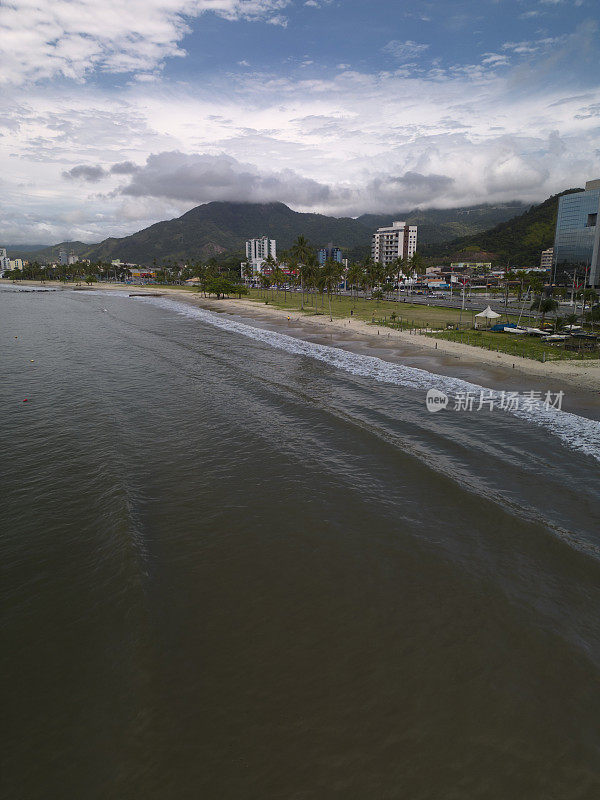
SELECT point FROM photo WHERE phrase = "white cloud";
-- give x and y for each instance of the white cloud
(404, 51)
(71, 38)
(340, 141)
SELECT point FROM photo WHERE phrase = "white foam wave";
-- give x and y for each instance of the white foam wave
(577, 432)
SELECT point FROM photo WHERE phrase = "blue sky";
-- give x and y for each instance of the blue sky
(116, 115)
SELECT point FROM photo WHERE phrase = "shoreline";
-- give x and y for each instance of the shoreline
(581, 374)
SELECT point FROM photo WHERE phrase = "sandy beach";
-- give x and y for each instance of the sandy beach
(581, 374)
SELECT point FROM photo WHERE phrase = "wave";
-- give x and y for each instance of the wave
(579, 433)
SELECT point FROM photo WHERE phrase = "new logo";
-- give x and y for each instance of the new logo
(436, 400)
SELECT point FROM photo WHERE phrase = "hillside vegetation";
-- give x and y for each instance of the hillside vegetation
(221, 228)
(518, 241)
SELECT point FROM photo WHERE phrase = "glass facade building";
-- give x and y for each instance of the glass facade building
(577, 229)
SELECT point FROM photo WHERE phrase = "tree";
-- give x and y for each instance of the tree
(521, 276)
(247, 271)
(221, 287)
(387, 288)
(301, 254)
(417, 264)
(398, 265)
(354, 277)
(265, 282)
(545, 305)
(331, 275)
(310, 276)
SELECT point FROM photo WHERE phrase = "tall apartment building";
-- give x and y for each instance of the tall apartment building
(397, 241)
(257, 250)
(66, 259)
(329, 253)
(577, 238)
(4, 261)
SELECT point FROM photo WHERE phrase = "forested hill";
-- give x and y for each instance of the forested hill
(221, 228)
(518, 241)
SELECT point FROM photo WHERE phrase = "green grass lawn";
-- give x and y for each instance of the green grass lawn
(408, 315)
(412, 315)
(525, 346)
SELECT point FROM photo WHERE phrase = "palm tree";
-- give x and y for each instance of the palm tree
(331, 275)
(417, 264)
(270, 264)
(265, 282)
(375, 273)
(544, 305)
(398, 265)
(278, 276)
(571, 319)
(310, 276)
(247, 272)
(354, 277)
(301, 253)
(521, 276)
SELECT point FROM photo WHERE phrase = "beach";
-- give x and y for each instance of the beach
(583, 375)
(580, 374)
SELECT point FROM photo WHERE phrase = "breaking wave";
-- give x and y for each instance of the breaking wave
(577, 432)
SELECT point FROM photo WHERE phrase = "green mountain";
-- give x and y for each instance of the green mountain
(44, 253)
(442, 225)
(218, 228)
(221, 229)
(518, 241)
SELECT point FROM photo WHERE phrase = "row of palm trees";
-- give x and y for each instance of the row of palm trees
(305, 272)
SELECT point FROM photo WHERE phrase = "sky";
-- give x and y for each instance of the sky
(115, 115)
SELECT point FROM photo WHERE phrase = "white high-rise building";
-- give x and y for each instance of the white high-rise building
(397, 241)
(4, 261)
(257, 250)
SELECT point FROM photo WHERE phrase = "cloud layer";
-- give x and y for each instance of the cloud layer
(100, 136)
(72, 38)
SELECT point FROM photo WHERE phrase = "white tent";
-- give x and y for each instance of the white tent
(487, 314)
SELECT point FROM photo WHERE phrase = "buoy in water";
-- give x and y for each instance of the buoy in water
(25, 400)
(31, 361)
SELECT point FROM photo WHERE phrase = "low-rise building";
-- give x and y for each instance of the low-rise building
(477, 265)
(547, 258)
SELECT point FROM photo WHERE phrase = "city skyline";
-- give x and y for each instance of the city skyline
(115, 118)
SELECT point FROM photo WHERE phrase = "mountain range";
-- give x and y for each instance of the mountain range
(508, 232)
(518, 241)
(222, 228)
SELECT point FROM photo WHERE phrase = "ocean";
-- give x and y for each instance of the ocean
(243, 564)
